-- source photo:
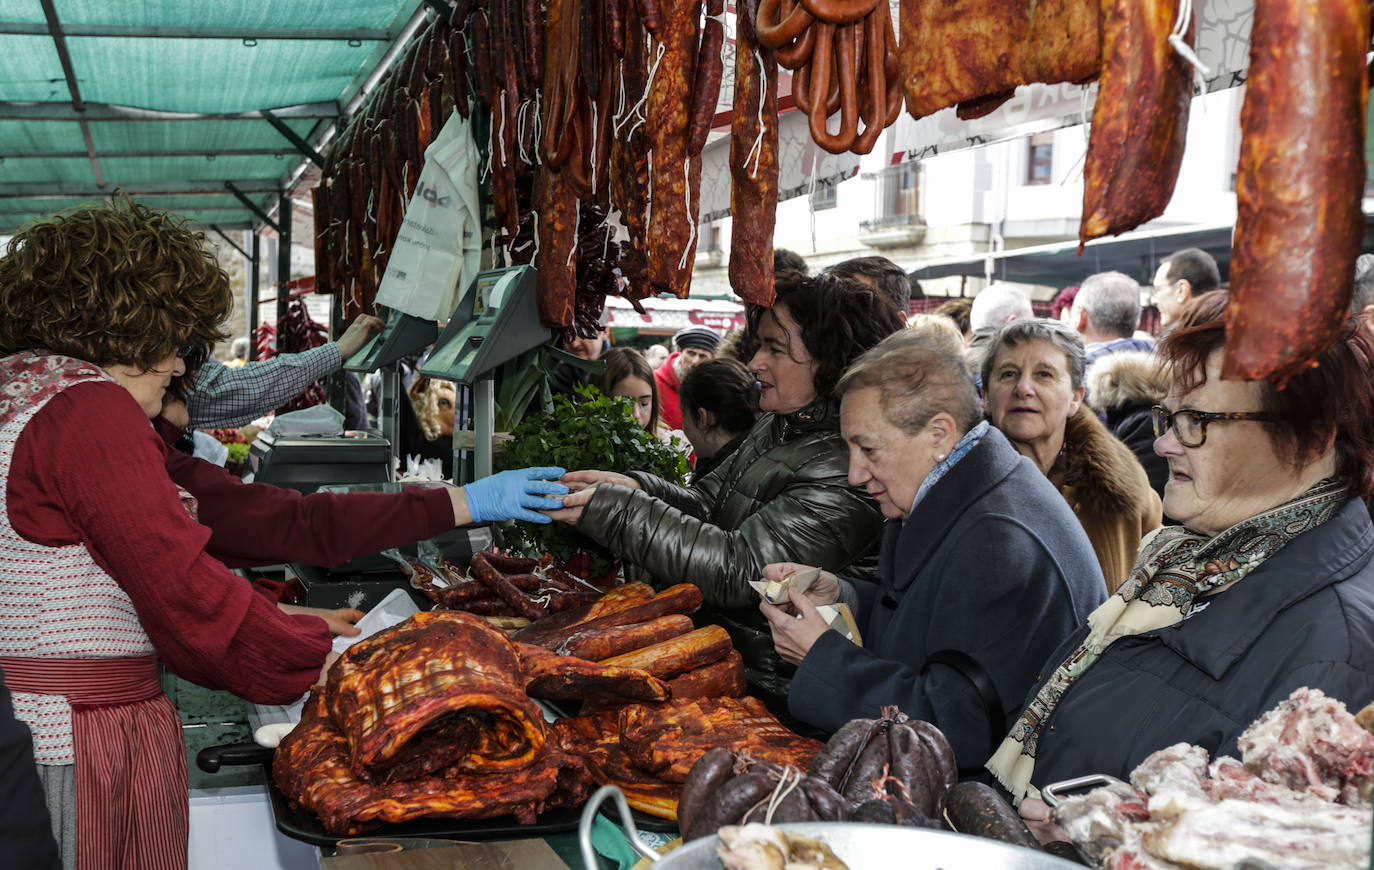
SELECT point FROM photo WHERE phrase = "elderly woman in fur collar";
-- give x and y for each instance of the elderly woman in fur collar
(1033, 393)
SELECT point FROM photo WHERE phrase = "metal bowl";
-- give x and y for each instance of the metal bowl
(861, 846)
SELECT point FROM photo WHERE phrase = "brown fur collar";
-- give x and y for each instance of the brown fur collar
(1104, 472)
(1127, 377)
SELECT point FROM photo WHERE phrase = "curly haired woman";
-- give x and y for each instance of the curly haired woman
(106, 566)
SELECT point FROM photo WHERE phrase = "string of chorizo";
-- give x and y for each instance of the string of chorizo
(674, 178)
(753, 164)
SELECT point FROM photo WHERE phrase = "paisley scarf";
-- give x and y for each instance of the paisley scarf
(1175, 565)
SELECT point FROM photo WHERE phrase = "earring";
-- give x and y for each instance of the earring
(939, 457)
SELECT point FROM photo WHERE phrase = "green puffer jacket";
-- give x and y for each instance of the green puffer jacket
(782, 497)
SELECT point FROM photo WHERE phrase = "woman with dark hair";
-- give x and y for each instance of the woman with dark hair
(1266, 587)
(627, 375)
(718, 409)
(109, 566)
(783, 496)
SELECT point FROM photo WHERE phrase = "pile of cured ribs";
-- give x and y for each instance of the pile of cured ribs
(1298, 798)
(435, 717)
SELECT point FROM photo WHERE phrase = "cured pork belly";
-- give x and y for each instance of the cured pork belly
(312, 769)
(441, 688)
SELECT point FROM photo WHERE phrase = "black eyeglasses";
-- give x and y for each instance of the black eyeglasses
(1190, 427)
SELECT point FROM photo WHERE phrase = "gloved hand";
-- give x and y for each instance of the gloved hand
(509, 495)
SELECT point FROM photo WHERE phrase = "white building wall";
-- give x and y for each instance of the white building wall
(979, 199)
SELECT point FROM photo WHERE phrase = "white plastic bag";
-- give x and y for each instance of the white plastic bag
(315, 420)
(438, 249)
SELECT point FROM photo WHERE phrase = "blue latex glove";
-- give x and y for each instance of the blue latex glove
(509, 495)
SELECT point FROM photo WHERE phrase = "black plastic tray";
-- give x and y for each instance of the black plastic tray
(301, 824)
(643, 821)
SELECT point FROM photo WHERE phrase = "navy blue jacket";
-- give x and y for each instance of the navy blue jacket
(1305, 617)
(993, 563)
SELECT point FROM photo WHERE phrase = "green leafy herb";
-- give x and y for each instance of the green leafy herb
(597, 432)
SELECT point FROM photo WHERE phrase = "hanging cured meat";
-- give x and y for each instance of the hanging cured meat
(1298, 185)
(957, 52)
(753, 163)
(843, 54)
(1140, 120)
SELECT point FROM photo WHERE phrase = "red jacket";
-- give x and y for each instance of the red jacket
(669, 411)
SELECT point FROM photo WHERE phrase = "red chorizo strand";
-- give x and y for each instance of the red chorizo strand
(753, 169)
(706, 89)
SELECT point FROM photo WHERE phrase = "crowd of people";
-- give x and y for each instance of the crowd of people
(1044, 528)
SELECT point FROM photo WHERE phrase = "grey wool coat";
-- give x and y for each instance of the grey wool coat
(993, 563)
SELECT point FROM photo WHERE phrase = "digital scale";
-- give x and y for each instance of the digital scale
(306, 463)
(496, 321)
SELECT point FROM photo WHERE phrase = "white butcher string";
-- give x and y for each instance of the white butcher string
(648, 87)
(791, 778)
(692, 221)
(1178, 39)
(756, 150)
(577, 227)
(592, 153)
(501, 133)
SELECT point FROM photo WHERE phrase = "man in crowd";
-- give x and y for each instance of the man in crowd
(882, 275)
(566, 377)
(218, 396)
(1183, 276)
(695, 345)
(997, 305)
(1106, 311)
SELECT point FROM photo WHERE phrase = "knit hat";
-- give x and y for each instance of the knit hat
(700, 337)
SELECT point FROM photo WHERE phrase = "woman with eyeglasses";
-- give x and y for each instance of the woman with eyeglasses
(109, 568)
(1266, 587)
(1033, 392)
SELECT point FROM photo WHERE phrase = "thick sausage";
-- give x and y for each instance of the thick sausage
(835, 760)
(938, 750)
(977, 809)
(840, 11)
(678, 655)
(866, 775)
(709, 773)
(1298, 186)
(605, 643)
(509, 564)
(908, 765)
(674, 178)
(557, 277)
(728, 804)
(706, 89)
(753, 169)
(1140, 120)
(722, 679)
(776, 28)
(830, 805)
(499, 583)
(682, 598)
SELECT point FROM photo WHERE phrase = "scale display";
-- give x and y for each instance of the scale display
(496, 321)
(402, 335)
